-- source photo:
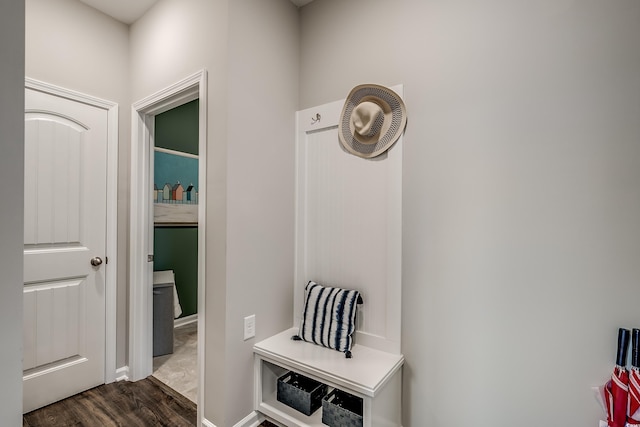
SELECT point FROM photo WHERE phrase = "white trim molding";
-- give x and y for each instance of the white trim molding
(184, 321)
(122, 373)
(176, 153)
(254, 419)
(111, 266)
(141, 231)
(207, 423)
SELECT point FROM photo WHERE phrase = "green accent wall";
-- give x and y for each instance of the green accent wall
(176, 248)
(177, 129)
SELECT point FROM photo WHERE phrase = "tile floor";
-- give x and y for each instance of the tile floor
(179, 369)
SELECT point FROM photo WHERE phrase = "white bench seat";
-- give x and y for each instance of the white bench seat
(365, 375)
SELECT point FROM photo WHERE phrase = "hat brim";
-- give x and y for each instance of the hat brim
(395, 121)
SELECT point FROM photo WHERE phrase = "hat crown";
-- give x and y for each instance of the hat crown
(373, 118)
(367, 118)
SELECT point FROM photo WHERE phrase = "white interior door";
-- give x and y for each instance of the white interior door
(64, 232)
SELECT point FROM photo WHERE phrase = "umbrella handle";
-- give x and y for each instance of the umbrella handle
(623, 345)
(635, 348)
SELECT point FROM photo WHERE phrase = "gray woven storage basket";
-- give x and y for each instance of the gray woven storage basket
(340, 409)
(301, 393)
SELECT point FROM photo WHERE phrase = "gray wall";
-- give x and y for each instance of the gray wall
(521, 193)
(263, 98)
(252, 68)
(72, 45)
(520, 188)
(11, 208)
(172, 41)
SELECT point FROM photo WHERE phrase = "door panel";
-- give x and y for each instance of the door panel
(53, 320)
(65, 226)
(52, 202)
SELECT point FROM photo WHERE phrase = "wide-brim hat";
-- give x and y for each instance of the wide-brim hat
(372, 120)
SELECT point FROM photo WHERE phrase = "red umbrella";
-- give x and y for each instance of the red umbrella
(633, 414)
(617, 389)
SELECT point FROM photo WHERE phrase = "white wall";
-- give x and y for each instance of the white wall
(72, 45)
(11, 209)
(172, 41)
(252, 68)
(521, 193)
(263, 99)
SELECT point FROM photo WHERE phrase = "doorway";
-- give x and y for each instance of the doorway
(175, 250)
(142, 223)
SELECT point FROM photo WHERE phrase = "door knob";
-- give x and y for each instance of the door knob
(96, 261)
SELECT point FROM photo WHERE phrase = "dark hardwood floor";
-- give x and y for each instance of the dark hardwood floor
(143, 403)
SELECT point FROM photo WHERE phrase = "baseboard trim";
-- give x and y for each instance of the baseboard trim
(254, 419)
(122, 373)
(187, 320)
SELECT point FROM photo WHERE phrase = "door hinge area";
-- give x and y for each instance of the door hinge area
(150, 258)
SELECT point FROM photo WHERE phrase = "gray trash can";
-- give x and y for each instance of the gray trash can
(162, 317)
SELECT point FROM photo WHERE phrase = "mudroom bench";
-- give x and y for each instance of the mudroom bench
(372, 375)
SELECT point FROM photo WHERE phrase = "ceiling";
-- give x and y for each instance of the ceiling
(128, 11)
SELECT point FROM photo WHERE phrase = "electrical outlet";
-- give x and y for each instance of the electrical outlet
(249, 327)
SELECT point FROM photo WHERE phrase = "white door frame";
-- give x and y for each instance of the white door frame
(141, 232)
(111, 266)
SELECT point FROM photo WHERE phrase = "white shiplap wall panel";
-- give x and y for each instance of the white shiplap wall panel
(348, 224)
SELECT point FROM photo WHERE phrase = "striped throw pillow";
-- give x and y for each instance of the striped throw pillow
(329, 316)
